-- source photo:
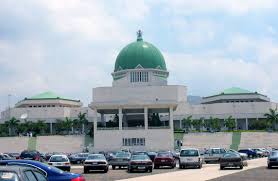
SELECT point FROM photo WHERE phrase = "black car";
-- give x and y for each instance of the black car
(231, 160)
(272, 159)
(78, 158)
(21, 173)
(30, 155)
(140, 162)
(152, 155)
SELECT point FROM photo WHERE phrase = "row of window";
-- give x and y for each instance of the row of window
(133, 141)
(139, 77)
(46, 106)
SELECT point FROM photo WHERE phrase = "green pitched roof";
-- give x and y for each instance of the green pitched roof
(49, 95)
(139, 53)
(235, 90)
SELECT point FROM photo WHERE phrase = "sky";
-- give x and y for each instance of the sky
(70, 46)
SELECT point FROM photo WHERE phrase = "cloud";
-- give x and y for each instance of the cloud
(235, 7)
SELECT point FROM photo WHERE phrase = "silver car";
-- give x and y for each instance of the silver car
(214, 154)
(120, 160)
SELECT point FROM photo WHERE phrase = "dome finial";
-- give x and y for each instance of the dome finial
(139, 35)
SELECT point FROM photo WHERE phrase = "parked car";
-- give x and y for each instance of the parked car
(164, 159)
(140, 153)
(272, 159)
(231, 160)
(152, 155)
(96, 162)
(121, 160)
(30, 155)
(190, 157)
(60, 161)
(52, 173)
(5, 157)
(110, 155)
(250, 153)
(140, 162)
(21, 173)
(259, 152)
(214, 154)
(243, 156)
(78, 158)
(13, 155)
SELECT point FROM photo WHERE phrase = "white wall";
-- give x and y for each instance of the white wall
(155, 139)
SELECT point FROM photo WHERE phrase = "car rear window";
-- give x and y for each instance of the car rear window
(58, 159)
(231, 155)
(28, 154)
(139, 157)
(122, 154)
(166, 154)
(274, 153)
(96, 157)
(189, 153)
(8, 176)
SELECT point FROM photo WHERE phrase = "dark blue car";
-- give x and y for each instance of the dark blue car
(250, 153)
(52, 173)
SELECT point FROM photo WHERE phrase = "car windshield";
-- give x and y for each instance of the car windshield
(189, 153)
(58, 159)
(83, 155)
(139, 157)
(122, 154)
(8, 176)
(96, 157)
(164, 154)
(274, 153)
(231, 155)
(27, 154)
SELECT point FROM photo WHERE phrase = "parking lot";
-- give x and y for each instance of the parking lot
(118, 174)
(209, 171)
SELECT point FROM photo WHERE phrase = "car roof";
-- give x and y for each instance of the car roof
(190, 149)
(15, 168)
(59, 155)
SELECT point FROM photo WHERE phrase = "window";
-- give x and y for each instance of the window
(29, 174)
(40, 176)
(133, 141)
(139, 77)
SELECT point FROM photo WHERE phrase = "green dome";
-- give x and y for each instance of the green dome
(139, 53)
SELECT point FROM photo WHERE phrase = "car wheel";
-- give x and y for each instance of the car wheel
(269, 166)
(180, 166)
(85, 170)
(113, 167)
(155, 167)
(130, 170)
(105, 170)
(222, 168)
(200, 166)
(120, 167)
(241, 167)
(151, 170)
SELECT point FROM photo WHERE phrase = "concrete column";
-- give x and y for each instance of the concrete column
(236, 123)
(51, 127)
(246, 123)
(95, 121)
(181, 124)
(146, 118)
(171, 116)
(102, 119)
(120, 119)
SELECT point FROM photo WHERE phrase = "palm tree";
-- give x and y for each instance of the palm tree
(272, 117)
(68, 123)
(197, 124)
(83, 120)
(40, 127)
(215, 124)
(230, 123)
(187, 122)
(12, 124)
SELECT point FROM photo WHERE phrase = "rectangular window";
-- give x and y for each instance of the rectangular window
(133, 141)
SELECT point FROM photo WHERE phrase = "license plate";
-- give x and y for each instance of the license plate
(58, 163)
(94, 163)
(189, 159)
(141, 167)
(162, 160)
(230, 164)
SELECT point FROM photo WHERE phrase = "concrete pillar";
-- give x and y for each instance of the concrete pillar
(246, 123)
(146, 118)
(95, 121)
(120, 119)
(51, 127)
(83, 128)
(171, 116)
(181, 124)
(236, 123)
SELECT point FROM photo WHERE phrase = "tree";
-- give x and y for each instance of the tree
(4, 130)
(83, 120)
(197, 124)
(230, 123)
(67, 124)
(272, 117)
(12, 124)
(40, 127)
(187, 122)
(215, 124)
(60, 126)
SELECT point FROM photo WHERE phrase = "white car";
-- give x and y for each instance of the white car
(96, 162)
(190, 157)
(60, 161)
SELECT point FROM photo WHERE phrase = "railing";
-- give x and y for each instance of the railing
(108, 128)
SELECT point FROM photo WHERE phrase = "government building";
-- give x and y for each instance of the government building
(141, 110)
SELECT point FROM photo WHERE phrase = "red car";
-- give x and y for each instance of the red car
(164, 159)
